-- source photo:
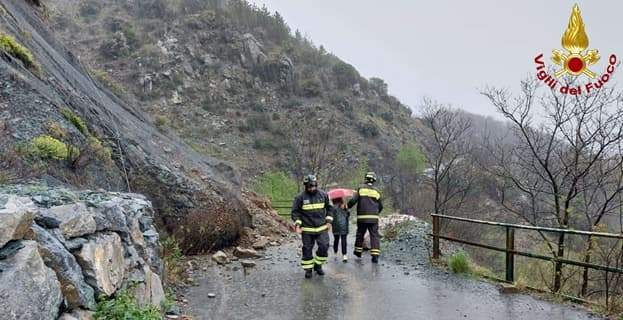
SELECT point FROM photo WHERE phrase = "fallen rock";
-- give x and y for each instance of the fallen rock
(220, 257)
(76, 291)
(260, 244)
(28, 289)
(78, 314)
(506, 288)
(103, 262)
(16, 215)
(246, 253)
(247, 263)
(74, 220)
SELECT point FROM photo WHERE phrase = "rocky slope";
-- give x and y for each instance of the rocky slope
(234, 83)
(60, 125)
(60, 249)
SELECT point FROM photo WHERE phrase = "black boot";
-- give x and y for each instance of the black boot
(308, 273)
(357, 254)
(375, 259)
(318, 269)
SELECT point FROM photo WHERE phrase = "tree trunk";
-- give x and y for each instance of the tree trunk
(587, 259)
(558, 267)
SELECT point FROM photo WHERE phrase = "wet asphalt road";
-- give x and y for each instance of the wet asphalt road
(393, 289)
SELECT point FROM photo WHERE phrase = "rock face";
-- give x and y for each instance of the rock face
(60, 249)
(16, 214)
(28, 289)
(102, 261)
(76, 291)
(73, 220)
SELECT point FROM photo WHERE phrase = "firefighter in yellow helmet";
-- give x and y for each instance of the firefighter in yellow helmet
(312, 214)
(369, 206)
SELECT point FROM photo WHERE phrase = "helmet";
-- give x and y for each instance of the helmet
(310, 180)
(370, 177)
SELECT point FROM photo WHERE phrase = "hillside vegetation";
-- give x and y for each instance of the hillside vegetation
(236, 83)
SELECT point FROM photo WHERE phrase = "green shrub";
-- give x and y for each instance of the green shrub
(410, 159)
(346, 75)
(459, 262)
(75, 120)
(378, 85)
(9, 45)
(369, 130)
(311, 88)
(293, 103)
(114, 86)
(47, 147)
(338, 99)
(172, 258)
(387, 116)
(264, 144)
(99, 151)
(161, 121)
(256, 122)
(124, 306)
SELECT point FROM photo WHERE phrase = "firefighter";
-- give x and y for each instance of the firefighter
(369, 206)
(312, 214)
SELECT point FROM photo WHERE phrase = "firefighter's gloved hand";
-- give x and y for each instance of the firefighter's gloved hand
(329, 226)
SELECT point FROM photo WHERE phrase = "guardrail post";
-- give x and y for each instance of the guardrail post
(510, 256)
(436, 228)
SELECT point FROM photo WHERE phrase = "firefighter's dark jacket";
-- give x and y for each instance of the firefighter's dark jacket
(312, 212)
(369, 204)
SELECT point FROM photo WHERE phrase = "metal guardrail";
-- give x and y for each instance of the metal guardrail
(282, 204)
(509, 249)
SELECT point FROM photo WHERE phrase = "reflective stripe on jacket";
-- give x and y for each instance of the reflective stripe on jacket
(312, 211)
(369, 204)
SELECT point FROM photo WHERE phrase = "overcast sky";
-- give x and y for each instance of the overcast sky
(447, 49)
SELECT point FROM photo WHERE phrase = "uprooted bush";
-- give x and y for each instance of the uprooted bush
(203, 230)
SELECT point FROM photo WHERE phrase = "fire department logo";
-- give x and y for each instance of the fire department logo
(576, 59)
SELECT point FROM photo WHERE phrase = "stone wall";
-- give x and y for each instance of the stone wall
(60, 250)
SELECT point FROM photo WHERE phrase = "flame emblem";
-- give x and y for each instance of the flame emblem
(575, 42)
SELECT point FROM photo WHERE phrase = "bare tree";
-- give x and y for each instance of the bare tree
(567, 149)
(314, 146)
(448, 155)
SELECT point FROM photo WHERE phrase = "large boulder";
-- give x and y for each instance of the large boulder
(73, 220)
(16, 215)
(102, 261)
(28, 289)
(76, 291)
